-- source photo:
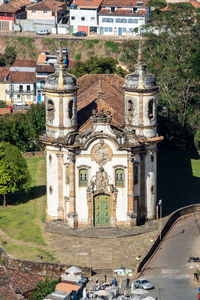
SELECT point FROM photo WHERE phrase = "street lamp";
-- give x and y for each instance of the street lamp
(160, 210)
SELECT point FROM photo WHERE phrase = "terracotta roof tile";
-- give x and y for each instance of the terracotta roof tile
(26, 63)
(49, 5)
(5, 110)
(28, 77)
(4, 71)
(14, 5)
(86, 3)
(121, 12)
(112, 99)
(124, 3)
(41, 58)
(14, 283)
(67, 287)
(45, 68)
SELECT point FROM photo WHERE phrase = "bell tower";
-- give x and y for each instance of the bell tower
(141, 101)
(61, 101)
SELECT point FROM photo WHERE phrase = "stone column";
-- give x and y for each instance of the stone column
(72, 216)
(131, 213)
(60, 209)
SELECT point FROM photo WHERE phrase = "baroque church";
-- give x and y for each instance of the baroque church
(101, 147)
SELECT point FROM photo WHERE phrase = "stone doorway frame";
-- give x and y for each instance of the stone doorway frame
(90, 202)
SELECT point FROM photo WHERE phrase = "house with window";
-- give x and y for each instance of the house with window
(46, 14)
(83, 16)
(10, 11)
(4, 73)
(21, 82)
(122, 18)
(101, 147)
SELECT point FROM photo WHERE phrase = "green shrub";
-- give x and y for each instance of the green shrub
(90, 43)
(111, 46)
(78, 56)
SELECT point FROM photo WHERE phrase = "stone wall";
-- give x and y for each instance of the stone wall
(172, 219)
(36, 153)
(51, 270)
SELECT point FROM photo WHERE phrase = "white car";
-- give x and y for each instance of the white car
(43, 32)
(143, 284)
(20, 103)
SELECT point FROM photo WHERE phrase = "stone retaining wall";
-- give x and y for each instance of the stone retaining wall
(38, 268)
(36, 153)
(172, 219)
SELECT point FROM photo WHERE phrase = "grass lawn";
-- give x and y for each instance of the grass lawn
(23, 219)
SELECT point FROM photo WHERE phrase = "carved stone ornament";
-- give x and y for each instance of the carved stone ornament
(100, 184)
(101, 153)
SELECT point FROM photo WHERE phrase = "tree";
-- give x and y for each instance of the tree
(14, 174)
(10, 55)
(96, 65)
(171, 51)
(43, 289)
(36, 120)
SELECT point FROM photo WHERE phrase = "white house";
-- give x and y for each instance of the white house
(122, 18)
(20, 84)
(83, 16)
(101, 148)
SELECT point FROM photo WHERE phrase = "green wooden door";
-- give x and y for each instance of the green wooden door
(102, 210)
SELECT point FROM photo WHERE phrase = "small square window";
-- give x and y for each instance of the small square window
(82, 18)
(72, 18)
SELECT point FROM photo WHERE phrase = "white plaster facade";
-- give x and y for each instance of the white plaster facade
(101, 177)
(83, 20)
(120, 25)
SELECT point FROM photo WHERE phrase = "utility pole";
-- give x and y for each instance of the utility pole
(160, 205)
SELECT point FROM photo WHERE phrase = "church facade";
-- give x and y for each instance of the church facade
(101, 152)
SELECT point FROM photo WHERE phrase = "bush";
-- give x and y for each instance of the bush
(43, 289)
(90, 43)
(78, 56)
(111, 46)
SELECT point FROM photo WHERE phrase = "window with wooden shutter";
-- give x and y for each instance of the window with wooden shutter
(119, 177)
(83, 177)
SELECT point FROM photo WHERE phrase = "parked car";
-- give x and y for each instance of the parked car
(20, 103)
(43, 32)
(143, 284)
(80, 33)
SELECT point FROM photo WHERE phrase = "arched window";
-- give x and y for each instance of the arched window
(70, 109)
(83, 177)
(50, 110)
(151, 109)
(119, 177)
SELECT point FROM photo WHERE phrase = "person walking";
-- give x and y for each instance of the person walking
(127, 282)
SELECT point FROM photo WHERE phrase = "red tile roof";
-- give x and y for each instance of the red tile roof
(124, 3)
(5, 110)
(14, 5)
(112, 99)
(67, 287)
(4, 71)
(122, 12)
(86, 3)
(26, 77)
(26, 63)
(14, 283)
(45, 68)
(49, 5)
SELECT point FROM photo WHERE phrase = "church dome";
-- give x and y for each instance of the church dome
(60, 80)
(140, 79)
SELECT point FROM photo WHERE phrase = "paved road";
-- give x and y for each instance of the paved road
(169, 269)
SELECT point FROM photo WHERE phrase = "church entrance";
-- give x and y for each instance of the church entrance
(102, 210)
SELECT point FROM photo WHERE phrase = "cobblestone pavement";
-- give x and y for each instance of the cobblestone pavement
(100, 253)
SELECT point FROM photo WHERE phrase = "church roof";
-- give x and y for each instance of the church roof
(112, 99)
